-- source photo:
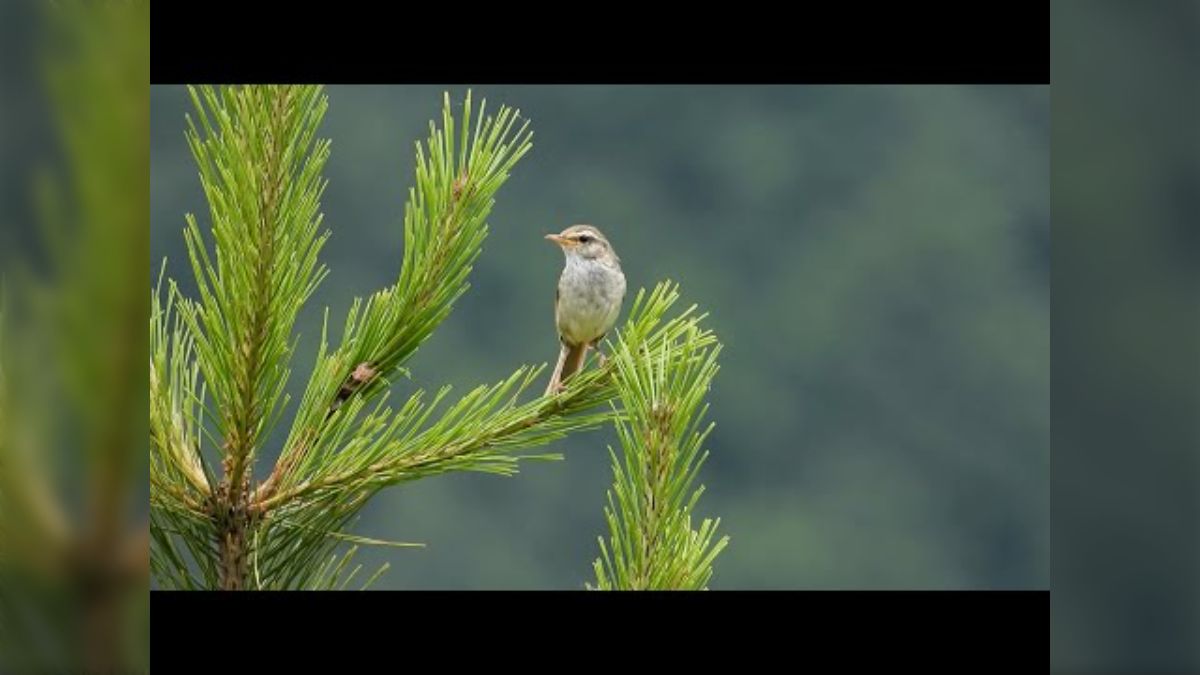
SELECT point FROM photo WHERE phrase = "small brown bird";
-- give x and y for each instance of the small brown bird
(591, 289)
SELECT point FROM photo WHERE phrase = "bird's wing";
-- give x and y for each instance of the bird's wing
(557, 295)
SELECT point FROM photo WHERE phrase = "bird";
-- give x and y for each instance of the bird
(588, 300)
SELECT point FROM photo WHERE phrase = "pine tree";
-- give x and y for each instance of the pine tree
(219, 363)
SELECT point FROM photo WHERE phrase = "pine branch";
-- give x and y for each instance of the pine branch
(652, 544)
(486, 430)
(444, 229)
(484, 426)
(260, 170)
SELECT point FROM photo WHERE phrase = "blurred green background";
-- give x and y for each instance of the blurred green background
(876, 260)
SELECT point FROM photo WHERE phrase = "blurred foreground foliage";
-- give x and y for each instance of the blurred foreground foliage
(74, 538)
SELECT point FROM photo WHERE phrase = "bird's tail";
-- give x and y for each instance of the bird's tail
(570, 360)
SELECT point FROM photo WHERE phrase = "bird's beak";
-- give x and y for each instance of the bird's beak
(556, 239)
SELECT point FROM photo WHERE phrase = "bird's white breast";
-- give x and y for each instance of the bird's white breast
(589, 299)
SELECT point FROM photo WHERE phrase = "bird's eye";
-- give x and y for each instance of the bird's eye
(585, 238)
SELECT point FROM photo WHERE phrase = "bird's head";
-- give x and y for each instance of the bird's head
(584, 241)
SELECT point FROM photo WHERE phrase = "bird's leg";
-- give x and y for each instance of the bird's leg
(555, 385)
